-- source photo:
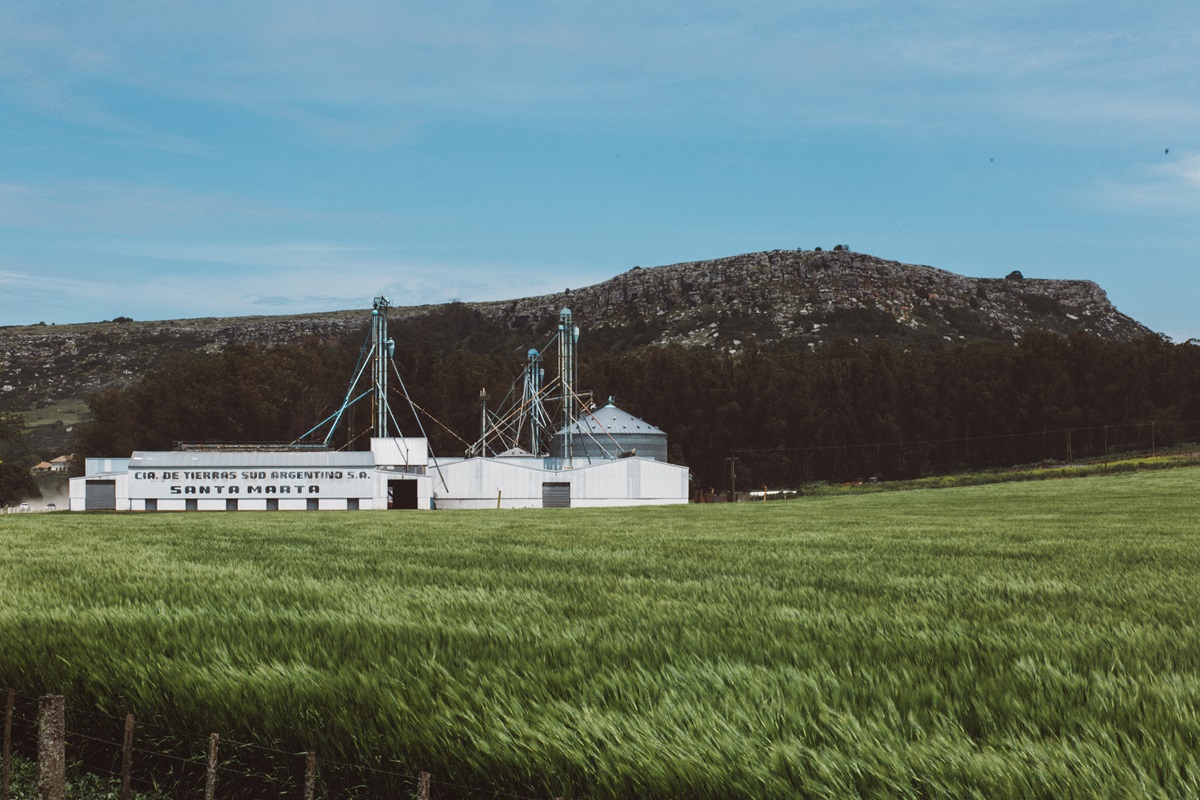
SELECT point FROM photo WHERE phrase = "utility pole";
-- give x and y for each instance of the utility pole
(732, 461)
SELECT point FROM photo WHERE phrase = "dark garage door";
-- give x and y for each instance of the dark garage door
(556, 495)
(101, 496)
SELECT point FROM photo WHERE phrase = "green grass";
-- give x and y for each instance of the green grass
(80, 784)
(1186, 456)
(68, 412)
(1017, 640)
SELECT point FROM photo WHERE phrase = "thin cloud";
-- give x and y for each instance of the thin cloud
(374, 72)
(14, 281)
(194, 280)
(1185, 169)
(159, 212)
(1173, 186)
(290, 254)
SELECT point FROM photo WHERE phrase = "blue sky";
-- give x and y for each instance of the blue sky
(164, 160)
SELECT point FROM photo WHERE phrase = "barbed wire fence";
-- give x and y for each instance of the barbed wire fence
(137, 758)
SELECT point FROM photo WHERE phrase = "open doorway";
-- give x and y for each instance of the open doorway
(402, 494)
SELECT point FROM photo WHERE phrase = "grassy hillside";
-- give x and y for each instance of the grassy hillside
(1017, 640)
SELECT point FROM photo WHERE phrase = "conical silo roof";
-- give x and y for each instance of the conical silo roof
(613, 421)
(609, 432)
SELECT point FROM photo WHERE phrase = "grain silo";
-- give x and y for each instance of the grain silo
(608, 433)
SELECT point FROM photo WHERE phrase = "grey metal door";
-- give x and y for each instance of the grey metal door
(556, 495)
(100, 496)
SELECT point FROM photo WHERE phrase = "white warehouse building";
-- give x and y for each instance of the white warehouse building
(531, 482)
(604, 458)
(395, 474)
(392, 474)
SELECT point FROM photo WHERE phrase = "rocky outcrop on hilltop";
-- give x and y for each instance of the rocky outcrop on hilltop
(41, 364)
(814, 296)
(781, 298)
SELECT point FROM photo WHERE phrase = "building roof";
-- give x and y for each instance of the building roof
(612, 421)
(143, 459)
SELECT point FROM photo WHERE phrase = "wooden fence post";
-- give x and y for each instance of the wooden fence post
(127, 758)
(210, 782)
(8, 715)
(52, 748)
(310, 775)
(423, 786)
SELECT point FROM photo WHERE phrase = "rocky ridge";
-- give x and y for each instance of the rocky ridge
(40, 364)
(792, 295)
(781, 297)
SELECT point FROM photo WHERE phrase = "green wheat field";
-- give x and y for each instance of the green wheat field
(1015, 640)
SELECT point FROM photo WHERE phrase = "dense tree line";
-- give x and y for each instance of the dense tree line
(843, 412)
(850, 411)
(243, 394)
(16, 481)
